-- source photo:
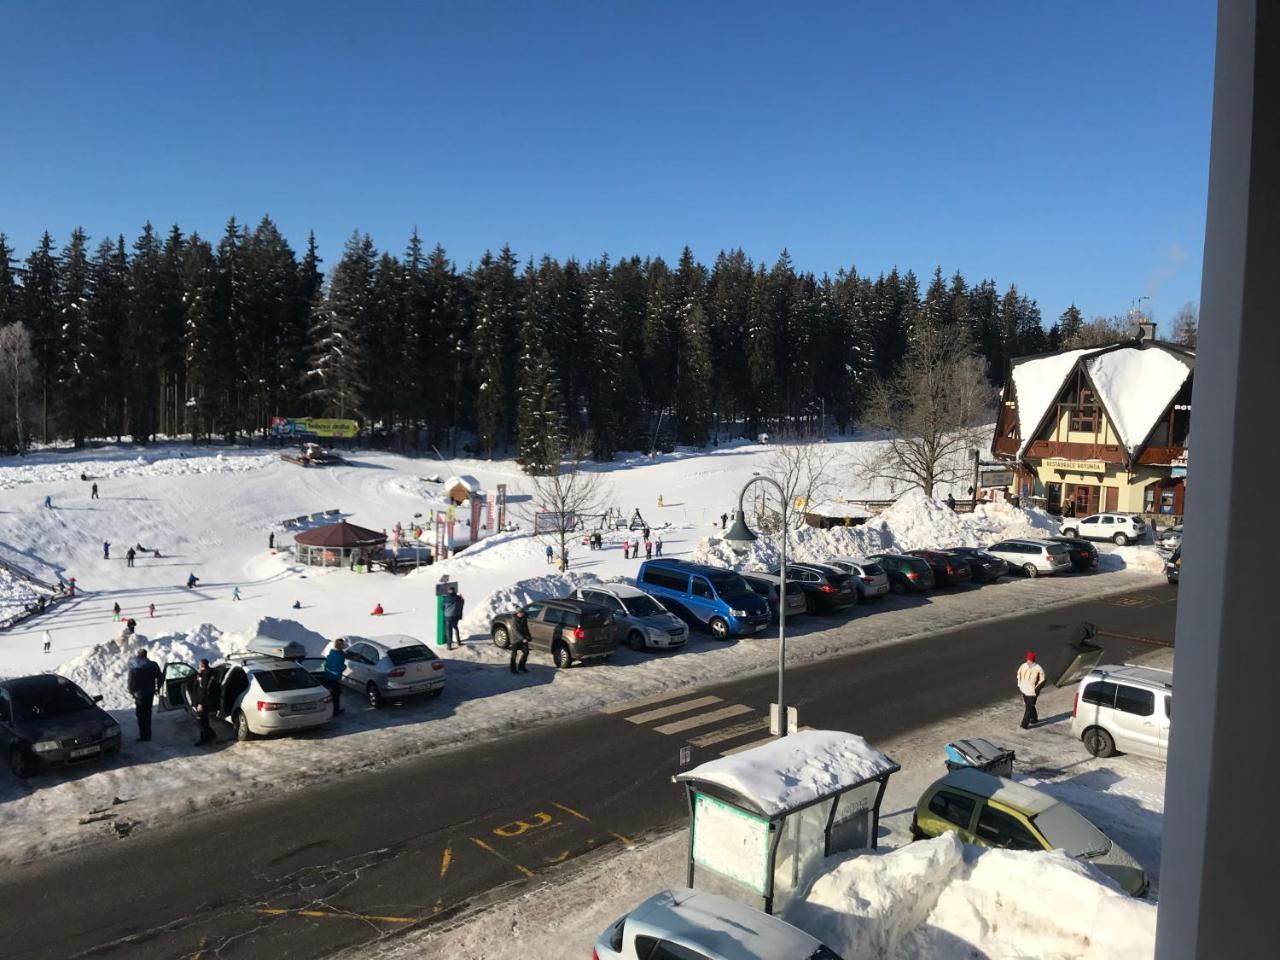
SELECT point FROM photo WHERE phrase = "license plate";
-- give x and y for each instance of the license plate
(304, 707)
(83, 752)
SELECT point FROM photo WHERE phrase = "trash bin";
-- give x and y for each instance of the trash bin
(981, 754)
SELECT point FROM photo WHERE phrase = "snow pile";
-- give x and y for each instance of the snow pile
(164, 463)
(795, 770)
(1036, 383)
(1141, 559)
(16, 594)
(478, 617)
(939, 899)
(914, 522)
(1136, 386)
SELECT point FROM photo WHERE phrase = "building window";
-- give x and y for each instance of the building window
(1084, 416)
(1149, 499)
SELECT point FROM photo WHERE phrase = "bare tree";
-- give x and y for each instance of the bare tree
(933, 412)
(1100, 332)
(569, 492)
(807, 472)
(17, 374)
(1186, 325)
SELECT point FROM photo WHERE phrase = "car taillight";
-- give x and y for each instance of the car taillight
(950, 570)
(265, 706)
(437, 664)
(828, 588)
(1075, 704)
(912, 575)
(397, 672)
(579, 633)
(594, 955)
(867, 579)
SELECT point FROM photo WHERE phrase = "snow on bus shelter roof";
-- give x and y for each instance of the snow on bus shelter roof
(794, 771)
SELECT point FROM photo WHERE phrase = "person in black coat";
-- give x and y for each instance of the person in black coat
(204, 699)
(520, 644)
(144, 684)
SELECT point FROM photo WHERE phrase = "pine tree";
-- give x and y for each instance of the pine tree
(936, 309)
(761, 350)
(75, 404)
(449, 379)
(338, 321)
(1069, 326)
(497, 309)
(729, 303)
(1031, 335)
(539, 420)
(207, 341)
(268, 304)
(230, 291)
(42, 316)
(291, 362)
(693, 399)
(172, 323)
(10, 302)
(385, 340)
(106, 329)
(628, 287)
(984, 324)
(142, 336)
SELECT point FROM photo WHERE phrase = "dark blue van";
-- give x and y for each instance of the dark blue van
(703, 596)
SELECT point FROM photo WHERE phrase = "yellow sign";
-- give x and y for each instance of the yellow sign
(345, 429)
(1074, 466)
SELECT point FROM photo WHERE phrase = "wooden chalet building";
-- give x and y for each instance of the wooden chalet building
(1105, 428)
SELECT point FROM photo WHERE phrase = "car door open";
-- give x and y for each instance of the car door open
(177, 677)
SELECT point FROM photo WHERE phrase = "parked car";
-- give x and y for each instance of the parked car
(869, 577)
(683, 924)
(991, 811)
(767, 587)
(642, 621)
(48, 721)
(392, 668)
(1170, 539)
(1126, 709)
(1032, 557)
(716, 599)
(948, 570)
(567, 629)
(986, 567)
(260, 695)
(826, 589)
(1121, 528)
(906, 574)
(1173, 566)
(1082, 553)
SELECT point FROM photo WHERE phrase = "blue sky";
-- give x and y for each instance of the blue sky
(1063, 147)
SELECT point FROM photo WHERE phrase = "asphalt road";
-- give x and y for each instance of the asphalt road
(338, 864)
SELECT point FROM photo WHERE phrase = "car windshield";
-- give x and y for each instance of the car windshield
(1067, 830)
(730, 585)
(644, 606)
(53, 701)
(289, 678)
(414, 653)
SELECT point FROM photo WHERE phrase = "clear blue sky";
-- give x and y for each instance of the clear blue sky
(1062, 146)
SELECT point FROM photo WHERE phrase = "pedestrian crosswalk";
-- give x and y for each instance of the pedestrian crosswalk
(705, 721)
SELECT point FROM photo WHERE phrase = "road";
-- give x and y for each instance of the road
(339, 864)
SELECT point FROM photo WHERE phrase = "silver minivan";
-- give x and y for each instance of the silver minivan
(643, 622)
(1125, 708)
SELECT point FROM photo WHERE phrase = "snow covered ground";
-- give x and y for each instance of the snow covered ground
(211, 513)
(937, 900)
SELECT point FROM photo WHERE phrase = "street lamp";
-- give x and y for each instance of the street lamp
(740, 537)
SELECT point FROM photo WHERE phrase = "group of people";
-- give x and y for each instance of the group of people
(131, 554)
(652, 548)
(145, 682)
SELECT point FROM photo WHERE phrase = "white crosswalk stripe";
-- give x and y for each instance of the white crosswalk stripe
(702, 719)
(670, 711)
(676, 713)
(644, 701)
(730, 733)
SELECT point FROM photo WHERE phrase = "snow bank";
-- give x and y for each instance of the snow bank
(16, 594)
(1140, 559)
(164, 463)
(505, 599)
(914, 522)
(939, 899)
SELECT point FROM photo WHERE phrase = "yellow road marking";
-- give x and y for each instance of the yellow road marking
(204, 938)
(560, 859)
(626, 840)
(484, 846)
(517, 827)
(334, 914)
(572, 812)
(446, 860)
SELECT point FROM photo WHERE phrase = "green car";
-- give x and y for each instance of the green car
(991, 811)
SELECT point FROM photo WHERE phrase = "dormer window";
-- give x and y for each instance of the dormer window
(1085, 414)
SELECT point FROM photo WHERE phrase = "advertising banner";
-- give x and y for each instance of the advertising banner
(314, 427)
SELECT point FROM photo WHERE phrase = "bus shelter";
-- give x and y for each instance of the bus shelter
(339, 545)
(761, 821)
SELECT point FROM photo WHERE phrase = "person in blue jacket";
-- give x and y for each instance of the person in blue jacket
(334, 664)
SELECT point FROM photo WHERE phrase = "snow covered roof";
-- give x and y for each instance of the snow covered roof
(793, 771)
(1136, 386)
(832, 508)
(341, 534)
(1037, 382)
(468, 483)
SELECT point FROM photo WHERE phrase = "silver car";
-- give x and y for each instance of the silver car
(391, 668)
(868, 576)
(643, 622)
(767, 587)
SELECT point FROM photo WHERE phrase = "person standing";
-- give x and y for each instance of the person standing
(71, 584)
(144, 684)
(151, 611)
(106, 549)
(128, 557)
(235, 593)
(48, 502)
(204, 698)
(648, 549)
(646, 531)
(335, 664)
(453, 604)
(115, 612)
(48, 641)
(550, 554)
(271, 540)
(93, 495)
(192, 580)
(1030, 681)
(657, 547)
(724, 519)
(520, 644)
(951, 501)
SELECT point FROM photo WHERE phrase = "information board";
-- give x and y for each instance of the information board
(731, 842)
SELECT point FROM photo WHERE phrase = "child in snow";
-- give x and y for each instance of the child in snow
(297, 604)
(115, 613)
(626, 549)
(106, 549)
(550, 553)
(151, 610)
(192, 580)
(377, 611)
(657, 547)
(235, 593)
(48, 641)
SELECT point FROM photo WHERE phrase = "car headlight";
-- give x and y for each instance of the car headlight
(739, 613)
(46, 746)
(111, 732)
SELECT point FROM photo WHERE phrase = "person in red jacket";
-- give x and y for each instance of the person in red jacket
(377, 611)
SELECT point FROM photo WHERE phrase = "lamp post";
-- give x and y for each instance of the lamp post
(740, 537)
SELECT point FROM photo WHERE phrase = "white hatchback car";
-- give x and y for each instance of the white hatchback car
(683, 924)
(259, 695)
(1120, 528)
(1033, 557)
(1124, 708)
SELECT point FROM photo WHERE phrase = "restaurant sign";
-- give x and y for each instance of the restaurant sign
(1074, 466)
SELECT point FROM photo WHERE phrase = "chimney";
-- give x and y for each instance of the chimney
(1146, 331)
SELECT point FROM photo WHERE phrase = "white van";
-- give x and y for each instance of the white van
(1126, 709)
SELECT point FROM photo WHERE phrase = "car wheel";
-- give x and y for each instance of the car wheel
(1098, 742)
(719, 629)
(1120, 539)
(501, 638)
(19, 763)
(1069, 532)
(898, 587)
(243, 732)
(1030, 570)
(561, 657)
(635, 640)
(1172, 580)
(374, 694)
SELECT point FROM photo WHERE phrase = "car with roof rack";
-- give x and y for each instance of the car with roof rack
(1124, 708)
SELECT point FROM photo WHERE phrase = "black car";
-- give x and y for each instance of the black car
(46, 720)
(907, 574)
(986, 567)
(767, 587)
(1173, 566)
(826, 589)
(948, 571)
(1084, 555)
